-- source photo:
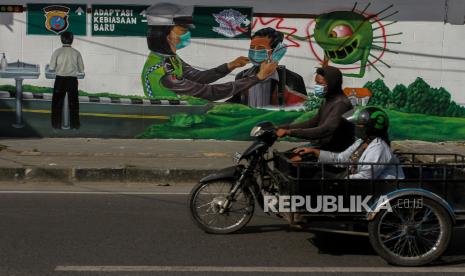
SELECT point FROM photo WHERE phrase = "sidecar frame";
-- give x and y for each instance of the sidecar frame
(437, 176)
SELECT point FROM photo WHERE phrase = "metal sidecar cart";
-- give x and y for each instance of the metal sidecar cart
(409, 219)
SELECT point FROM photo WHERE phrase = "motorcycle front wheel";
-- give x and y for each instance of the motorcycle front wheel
(206, 204)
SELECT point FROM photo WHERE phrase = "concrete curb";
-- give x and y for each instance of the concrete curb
(130, 174)
(12, 174)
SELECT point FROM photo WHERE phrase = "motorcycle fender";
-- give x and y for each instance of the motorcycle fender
(255, 146)
(233, 173)
(411, 192)
(229, 173)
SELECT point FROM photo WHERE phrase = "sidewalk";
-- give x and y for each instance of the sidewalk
(134, 160)
(69, 160)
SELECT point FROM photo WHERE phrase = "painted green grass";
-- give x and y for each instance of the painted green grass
(234, 122)
(222, 122)
(406, 126)
(41, 89)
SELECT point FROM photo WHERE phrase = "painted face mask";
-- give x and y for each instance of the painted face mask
(258, 56)
(259, 49)
(279, 52)
(185, 40)
(319, 90)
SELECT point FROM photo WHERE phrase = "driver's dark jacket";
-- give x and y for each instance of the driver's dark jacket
(196, 83)
(327, 128)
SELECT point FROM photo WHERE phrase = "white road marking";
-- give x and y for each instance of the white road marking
(257, 269)
(94, 192)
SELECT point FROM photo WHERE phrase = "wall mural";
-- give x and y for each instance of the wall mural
(180, 103)
(222, 22)
(46, 19)
(279, 24)
(349, 37)
(166, 74)
(230, 23)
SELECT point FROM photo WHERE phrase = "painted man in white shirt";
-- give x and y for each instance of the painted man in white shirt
(67, 63)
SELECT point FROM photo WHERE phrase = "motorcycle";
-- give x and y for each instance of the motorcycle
(414, 231)
(224, 202)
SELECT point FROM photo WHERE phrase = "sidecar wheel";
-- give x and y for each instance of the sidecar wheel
(411, 236)
(205, 201)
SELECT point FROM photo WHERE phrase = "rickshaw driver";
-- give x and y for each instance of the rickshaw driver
(372, 146)
(326, 130)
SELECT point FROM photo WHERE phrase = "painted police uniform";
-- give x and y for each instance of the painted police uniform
(169, 76)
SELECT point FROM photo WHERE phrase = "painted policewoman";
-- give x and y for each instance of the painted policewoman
(165, 74)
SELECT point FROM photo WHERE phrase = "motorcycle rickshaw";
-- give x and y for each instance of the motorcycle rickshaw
(415, 230)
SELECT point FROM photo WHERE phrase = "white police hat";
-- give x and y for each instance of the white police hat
(168, 14)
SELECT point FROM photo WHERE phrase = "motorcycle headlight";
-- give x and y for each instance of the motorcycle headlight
(256, 131)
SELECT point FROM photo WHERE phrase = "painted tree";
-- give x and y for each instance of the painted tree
(381, 93)
(418, 97)
(442, 100)
(454, 110)
(312, 102)
(399, 97)
(424, 99)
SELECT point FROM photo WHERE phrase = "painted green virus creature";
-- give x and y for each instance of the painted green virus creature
(347, 38)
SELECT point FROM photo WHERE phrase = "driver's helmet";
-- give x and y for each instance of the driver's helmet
(369, 121)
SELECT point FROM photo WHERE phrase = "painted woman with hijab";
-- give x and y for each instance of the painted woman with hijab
(327, 130)
(165, 74)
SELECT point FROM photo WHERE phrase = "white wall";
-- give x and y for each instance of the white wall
(430, 48)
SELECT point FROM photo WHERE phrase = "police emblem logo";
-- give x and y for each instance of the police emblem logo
(56, 18)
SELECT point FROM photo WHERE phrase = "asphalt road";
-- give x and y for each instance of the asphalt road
(97, 231)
